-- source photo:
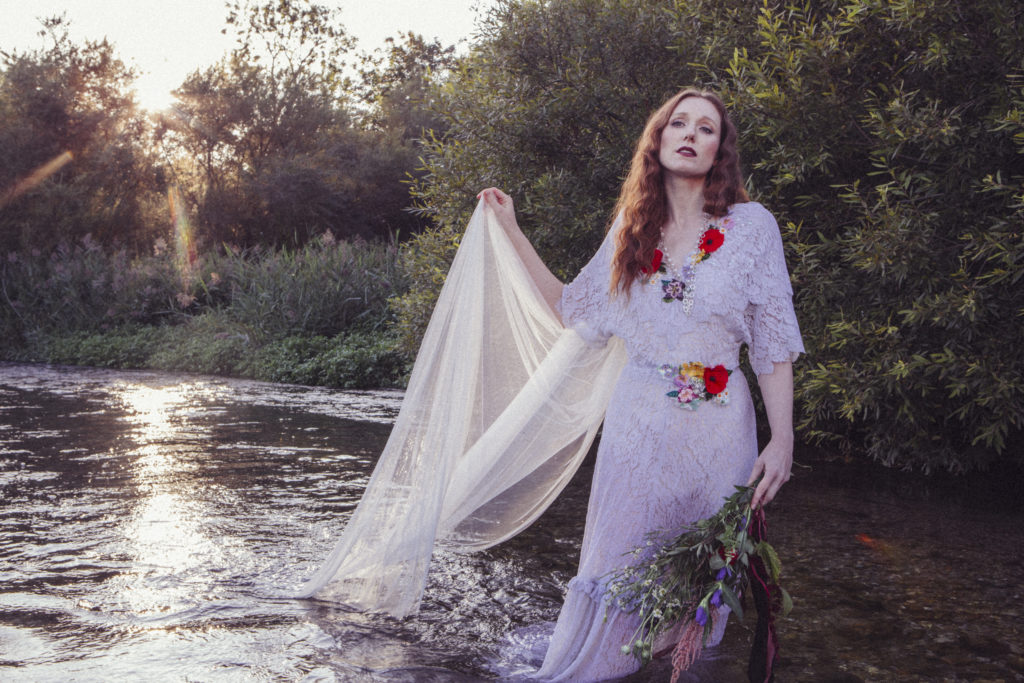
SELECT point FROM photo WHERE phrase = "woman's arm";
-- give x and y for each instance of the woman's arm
(550, 286)
(776, 459)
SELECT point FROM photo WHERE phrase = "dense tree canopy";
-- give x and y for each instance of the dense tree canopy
(266, 143)
(886, 137)
(889, 134)
(273, 144)
(73, 155)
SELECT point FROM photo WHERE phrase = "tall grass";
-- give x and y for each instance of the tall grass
(318, 314)
(324, 288)
(81, 287)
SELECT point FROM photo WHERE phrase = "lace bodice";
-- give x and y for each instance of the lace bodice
(742, 295)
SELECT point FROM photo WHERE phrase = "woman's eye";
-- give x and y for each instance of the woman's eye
(705, 129)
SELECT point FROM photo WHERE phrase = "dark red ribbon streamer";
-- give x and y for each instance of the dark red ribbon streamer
(768, 600)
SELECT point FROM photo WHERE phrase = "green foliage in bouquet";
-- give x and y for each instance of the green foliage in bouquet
(681, 583)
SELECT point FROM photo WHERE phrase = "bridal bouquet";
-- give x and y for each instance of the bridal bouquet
(714, 562)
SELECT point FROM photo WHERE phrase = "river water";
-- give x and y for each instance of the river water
(149, 524)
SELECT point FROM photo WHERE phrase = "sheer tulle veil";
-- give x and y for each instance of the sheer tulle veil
(502, 405)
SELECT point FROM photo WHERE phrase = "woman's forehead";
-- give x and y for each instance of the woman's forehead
(697, 107)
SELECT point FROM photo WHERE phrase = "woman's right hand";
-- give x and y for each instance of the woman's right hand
(503, 208)
(501, 204)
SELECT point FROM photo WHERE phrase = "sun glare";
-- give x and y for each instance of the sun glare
(152, 94)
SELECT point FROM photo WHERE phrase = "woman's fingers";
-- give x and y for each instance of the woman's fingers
(766, 490)
(774, 464)
(493, 194)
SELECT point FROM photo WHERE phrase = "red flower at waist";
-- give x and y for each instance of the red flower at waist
(715, 379)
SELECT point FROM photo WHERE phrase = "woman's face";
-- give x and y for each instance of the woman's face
(689, 143)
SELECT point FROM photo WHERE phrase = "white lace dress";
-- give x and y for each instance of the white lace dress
(661, 465)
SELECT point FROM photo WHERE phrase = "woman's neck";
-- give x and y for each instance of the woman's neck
(685, 197)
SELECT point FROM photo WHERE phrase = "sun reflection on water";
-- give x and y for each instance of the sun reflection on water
(166, 534)
(151, 409)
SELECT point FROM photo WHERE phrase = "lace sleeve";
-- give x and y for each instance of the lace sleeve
(773, 331)
(584, 303)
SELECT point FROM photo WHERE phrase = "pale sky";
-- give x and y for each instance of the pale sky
(166, 40)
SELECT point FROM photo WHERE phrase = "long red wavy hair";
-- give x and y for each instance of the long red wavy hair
(643, 203)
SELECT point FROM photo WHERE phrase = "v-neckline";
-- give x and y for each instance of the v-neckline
(672, 265)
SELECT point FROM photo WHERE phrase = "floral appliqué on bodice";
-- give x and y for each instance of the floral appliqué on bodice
(679, 283)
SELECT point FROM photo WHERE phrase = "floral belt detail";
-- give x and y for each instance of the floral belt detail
(696, 384)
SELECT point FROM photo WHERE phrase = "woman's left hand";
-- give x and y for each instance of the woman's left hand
(775, 463)
(776, 459)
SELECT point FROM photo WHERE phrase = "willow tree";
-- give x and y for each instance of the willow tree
(890, 136)
(887, 138)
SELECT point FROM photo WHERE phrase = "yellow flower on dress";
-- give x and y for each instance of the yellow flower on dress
(692, 370)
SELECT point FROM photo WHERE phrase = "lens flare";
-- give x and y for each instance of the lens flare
(34, 178)
(184, 241)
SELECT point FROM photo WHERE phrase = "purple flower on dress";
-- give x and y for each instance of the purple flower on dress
(701, 617)
(716, 598)
(723, 574)
(673, 289)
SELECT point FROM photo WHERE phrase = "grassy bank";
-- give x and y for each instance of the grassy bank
(317, 315)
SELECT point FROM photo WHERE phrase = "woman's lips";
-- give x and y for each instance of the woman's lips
(687, 151)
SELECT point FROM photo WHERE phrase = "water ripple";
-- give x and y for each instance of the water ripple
(150, 524)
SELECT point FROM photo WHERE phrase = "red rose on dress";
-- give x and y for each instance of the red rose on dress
(715, 379)
(655, 263)
(712, 240)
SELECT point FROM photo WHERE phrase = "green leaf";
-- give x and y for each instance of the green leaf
(771, 560)
(732, 601)
(787, 602)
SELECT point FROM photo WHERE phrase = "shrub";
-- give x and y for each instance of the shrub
(886, 137)
(323, 288)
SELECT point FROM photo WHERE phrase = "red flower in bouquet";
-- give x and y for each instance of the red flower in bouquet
(715, 379)
(655, 263)
(712, 240)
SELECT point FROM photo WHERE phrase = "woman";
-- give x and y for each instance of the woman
(689, 272)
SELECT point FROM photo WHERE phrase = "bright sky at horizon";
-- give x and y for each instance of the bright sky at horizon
(166, 39)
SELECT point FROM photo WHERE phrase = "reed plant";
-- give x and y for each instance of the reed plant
(80, 288)
(315, 315)
(323, 288)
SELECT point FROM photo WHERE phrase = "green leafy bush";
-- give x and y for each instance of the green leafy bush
(886, 137)
(355, 361)
(126, 347)
(314, 315)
